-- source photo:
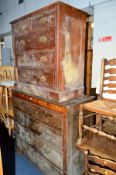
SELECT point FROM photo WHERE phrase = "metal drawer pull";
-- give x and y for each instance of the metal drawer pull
(43, 59)
(43, 39)
(43, 20)
(42, 78)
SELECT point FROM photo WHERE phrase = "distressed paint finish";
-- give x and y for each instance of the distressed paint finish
(48, 134)
(47, 150)
(43, 78)
(53, 43)
(70, 69)
(22, 27)
(46, 166)
(46, 19)
(36, 90)
(36, 59)
(52, 133)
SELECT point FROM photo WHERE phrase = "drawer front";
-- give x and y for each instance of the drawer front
(44, 20)
(43, 40)
(39, 58)
(50, 118)
(22, 27)
(22, 105)
(40, 145)
(22, 43)
(41, 162)
(44, 132)
(42, 78)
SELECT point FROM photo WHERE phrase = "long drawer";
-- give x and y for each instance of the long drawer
(41, 162)
(51, 136)
(41, 40)
(46, 116)
(36, 58)
(44, 78)
(47, 150)
(36, 22)
(22, 105)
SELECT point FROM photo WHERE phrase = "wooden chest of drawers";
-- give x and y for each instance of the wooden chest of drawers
(47, 132)
(49, 46)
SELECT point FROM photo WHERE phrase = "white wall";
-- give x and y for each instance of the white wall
(104, 25)
(11, 10)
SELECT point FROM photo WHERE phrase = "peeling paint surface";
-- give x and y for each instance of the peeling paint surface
(70, 69)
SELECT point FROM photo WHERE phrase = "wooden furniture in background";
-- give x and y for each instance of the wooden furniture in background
(7, 79)
(88, 57)
(49, 49)
(98, 145)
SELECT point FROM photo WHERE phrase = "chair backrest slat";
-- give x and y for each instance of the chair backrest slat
(108, 79)
(111, 78)
(7, 73)
(111, 62)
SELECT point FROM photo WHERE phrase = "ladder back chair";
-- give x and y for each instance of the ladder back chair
(7, 79)
(99, 145)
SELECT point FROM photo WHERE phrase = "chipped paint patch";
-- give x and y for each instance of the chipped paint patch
(71, 71)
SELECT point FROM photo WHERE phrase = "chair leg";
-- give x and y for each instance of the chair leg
(6, 98)
(80, 125)
(1, 95)
(86, 162)
(99, 121)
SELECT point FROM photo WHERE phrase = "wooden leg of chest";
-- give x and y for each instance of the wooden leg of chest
(80, 125)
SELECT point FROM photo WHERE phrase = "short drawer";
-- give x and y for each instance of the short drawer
(36, 58)
(47, 150)
(33, 76)
(22, 105)
(22, 27)
(46, 133)
(48, 117)
(44, 20)
(22, 43)
(43, 40)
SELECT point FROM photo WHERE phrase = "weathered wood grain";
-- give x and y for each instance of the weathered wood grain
(46, 149)
(50, 135)
(40, 161)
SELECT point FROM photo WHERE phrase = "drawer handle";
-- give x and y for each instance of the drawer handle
(43, 39)
(43, 59)
(42, 78)
(43, 20)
